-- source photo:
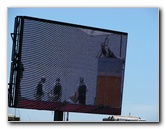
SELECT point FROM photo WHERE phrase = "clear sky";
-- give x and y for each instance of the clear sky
(141, 81)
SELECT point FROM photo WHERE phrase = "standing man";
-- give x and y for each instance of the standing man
(82, 89)
(57, 91)
(39, 89)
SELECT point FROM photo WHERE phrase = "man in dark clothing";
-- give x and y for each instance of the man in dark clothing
(39, 89)
(82, 89)
(57, 91)
(105, 50)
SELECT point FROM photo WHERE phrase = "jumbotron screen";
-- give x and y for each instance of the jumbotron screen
(70, 67)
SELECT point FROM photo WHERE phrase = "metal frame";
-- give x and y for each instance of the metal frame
(15, 59)
(74, 25)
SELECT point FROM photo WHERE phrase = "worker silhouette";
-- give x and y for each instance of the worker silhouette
(105, 50)
(57, 91)
(82, 89)
(39, 89)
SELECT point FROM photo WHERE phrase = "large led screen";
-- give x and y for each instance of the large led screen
(69, 67)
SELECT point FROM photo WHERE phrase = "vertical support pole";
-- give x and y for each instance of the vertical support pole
(58, 115)
(67, 119)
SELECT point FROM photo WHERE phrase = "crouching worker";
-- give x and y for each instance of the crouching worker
(80, 94)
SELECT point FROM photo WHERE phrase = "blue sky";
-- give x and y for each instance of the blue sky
(141, 82)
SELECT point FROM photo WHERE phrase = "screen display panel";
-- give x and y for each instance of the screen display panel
(69, 67)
